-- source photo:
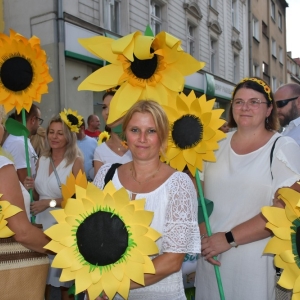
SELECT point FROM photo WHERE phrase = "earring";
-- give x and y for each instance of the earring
(267, 120)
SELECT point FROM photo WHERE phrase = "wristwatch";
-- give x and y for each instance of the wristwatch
(230, 239)
(52, 203)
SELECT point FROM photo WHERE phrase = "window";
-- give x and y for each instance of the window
(274, 83)
(265, 68)
(265, 29)
(113, 16)
(274, 48)
(235, 14)
(236, 68)
(273, 10)
(255, 70)
(156, 17)
(213, 55)
(280, 55)
(191, 39)
(212, 3)
(280, 20)
(255, 28)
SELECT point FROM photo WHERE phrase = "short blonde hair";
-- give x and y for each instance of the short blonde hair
(72, 151)
(159, 116)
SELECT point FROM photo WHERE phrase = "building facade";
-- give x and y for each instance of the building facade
(213, 31)
(267, 41)
(293, 69)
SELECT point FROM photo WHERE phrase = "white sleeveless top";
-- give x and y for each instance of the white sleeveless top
(47, 187)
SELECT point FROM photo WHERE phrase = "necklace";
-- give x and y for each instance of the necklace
(147, 178)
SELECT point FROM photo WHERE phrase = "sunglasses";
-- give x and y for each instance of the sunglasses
(282, 103)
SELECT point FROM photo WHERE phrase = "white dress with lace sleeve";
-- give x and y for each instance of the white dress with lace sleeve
(175, 206)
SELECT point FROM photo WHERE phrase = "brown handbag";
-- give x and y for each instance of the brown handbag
(23, 272)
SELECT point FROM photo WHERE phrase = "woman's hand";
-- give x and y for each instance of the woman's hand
(213, 246)
(28, 183)
(39, 206)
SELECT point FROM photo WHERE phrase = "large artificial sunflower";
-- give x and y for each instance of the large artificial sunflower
(71, 119)
(24, 73)
(285, 244)
(103, 240)
(194, 133)
(145, 67)
(6, 210)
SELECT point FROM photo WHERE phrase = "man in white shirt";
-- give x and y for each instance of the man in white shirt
(287, 99)
(15, 145)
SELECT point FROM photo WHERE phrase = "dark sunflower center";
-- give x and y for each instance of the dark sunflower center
(102, 238)
(144, 69)
(73, 119)
(298, 241)
(187, 132)
(16, 74)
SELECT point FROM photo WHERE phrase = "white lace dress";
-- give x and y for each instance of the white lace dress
(175, 206)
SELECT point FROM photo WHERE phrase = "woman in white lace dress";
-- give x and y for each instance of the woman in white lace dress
(169, 194)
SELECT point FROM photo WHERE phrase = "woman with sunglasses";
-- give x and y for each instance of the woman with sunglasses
(246, 181)
(287, 99)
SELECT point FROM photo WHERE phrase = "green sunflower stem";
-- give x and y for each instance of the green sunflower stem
(208, 229)
(27, 160)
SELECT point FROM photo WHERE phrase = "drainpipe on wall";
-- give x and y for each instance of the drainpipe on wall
(250, 39)
(61, 56)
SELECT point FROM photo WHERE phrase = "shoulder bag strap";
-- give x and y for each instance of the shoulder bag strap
(55, 172)
(110, 173)
(271, 154)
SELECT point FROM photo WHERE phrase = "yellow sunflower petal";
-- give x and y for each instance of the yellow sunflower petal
(112, 73)
(94, 290)
(110, 284)
(153, 234)
(63, 259)
(135, 272)
(297, 286)
(190, 156)
(276, 245)
(59, 215)
(136, 256)
(82, 279)
(67, 275)
(123, 288)
(61, 230)
(146, 245)
(148, 266)
(287, 256)
(142, 47)
(95, 276)
(118, 271)
(54, 246)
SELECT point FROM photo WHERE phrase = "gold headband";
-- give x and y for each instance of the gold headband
(260, 82)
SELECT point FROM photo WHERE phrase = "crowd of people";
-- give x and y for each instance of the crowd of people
(253, 162)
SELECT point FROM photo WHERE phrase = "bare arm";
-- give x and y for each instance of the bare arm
(22, 174)
(97, 165)
(25, 233)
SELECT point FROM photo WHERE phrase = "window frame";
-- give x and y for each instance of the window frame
(255, 28)
(156, 21)
(272, 10)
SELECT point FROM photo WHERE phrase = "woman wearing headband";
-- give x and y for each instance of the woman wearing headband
(252, 164)
(61, 157)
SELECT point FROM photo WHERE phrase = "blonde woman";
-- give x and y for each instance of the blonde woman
(60, 158)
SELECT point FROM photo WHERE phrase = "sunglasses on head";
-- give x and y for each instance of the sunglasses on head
(282, 103)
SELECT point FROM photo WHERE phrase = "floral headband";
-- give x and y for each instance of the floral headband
(260, 82)
(71, 119)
